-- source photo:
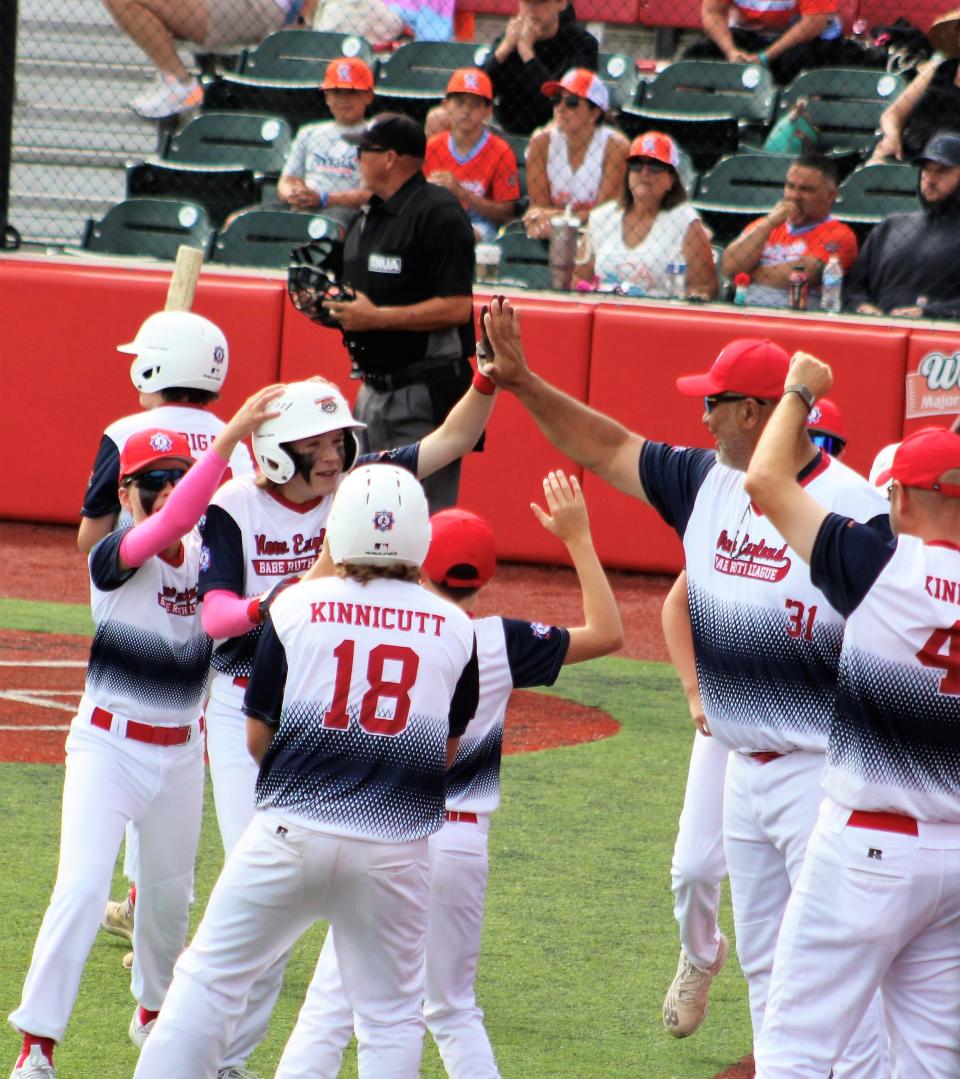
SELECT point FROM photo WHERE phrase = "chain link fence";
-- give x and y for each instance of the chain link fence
(743, 151)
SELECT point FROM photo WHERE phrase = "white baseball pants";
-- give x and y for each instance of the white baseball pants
(109, 781)
(280, 879)
(769, 811)
(699, 866)
(857, 921)
(458, 883)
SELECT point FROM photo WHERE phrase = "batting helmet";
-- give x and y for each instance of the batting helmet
(379, 517)
(306, 409)
(178, 349)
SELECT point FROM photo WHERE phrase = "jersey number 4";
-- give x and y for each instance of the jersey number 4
(380, 689)
(932, 655)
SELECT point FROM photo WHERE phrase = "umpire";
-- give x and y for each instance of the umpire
(409, 257)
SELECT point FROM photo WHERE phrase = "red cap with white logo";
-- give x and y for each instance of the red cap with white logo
(347, 73)
(582, 82)
(825, 417)
(146, 448)
(471, 80)
(655, 146)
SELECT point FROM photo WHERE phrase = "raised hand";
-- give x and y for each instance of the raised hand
(566, 516)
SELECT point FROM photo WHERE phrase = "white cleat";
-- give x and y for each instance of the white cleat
(685, 1005)
(167, 97)
(236, 1072)
(139, 1032)
(36, 1066)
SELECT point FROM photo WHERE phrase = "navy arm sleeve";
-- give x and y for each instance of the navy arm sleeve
(848, 557)
(535, 652)
(105, 571)
(407, 457)
(221, 560)
(101, 498)
(264, 695)
(671, 478)
(466, 696)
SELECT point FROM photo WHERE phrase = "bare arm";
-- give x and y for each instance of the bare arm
(566, 518)
(614, 168)
(437, 313)
(259, 737)
(743, 253)
(293, 190)
(458, 433)
(698, 255)
(715, 21)
(588, 437)
(772, 476)
(92, 530)
(894, 119)
(538, 186)
(453, 744)
(806, 28)
(779, 276)
(678, 635)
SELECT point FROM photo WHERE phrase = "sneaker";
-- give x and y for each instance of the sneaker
(118, 918)
(35, 1066)
(167, 97)
(127, 961)
(235, 1071)
(139, 1032)
(685, 1005)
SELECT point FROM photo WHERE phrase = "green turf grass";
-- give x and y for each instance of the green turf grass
(26, 614)
(579, 943)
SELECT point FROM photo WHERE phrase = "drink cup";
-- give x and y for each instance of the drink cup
(488, 263)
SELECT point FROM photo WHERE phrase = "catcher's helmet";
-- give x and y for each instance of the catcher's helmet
(379, 517)
(178, 348)
(306, 409)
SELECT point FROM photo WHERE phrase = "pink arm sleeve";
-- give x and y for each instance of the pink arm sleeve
(224, 614)
(179, 514)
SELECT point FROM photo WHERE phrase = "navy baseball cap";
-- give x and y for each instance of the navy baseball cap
(390, 131)
(462, 550)
(943, 149)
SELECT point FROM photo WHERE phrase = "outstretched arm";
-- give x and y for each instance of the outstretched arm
(566, 518)
(588, 437)
(677, 632)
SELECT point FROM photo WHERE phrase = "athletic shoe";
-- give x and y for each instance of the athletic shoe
(139, 1032)
(118, 918)
(127, 961)
(167, 97)
(685, 1005)
(36, 1066)
(236, 1072)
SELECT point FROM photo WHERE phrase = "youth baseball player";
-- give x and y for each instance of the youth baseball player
(260, 533)
(135, 749)
(362, 684)
(767, 641)
(511, 654)
(877, 902)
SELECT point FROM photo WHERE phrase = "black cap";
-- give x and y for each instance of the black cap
(944, 149)
(391, 131)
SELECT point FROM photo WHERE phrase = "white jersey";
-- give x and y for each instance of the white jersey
(149, 658)
(198, 426)
(360, 683)
(895, 740)
(766, 640)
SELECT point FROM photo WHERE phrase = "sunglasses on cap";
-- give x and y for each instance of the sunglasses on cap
(157, 478)
(638, 164)
(830, 444)
(571, 101)
(709, 403)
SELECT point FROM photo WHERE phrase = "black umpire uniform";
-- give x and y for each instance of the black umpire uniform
(415, 246)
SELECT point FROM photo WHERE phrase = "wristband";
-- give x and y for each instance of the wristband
(484, 385)
(324, 199)
(803, 392)
(255, 610)
(762, 57)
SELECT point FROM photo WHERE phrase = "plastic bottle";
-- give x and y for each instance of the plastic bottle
(797, 291)
(677, 278)
(831, 284)
(740, 283)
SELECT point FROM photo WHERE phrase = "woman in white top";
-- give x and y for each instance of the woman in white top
(575, 161)
(633, 239)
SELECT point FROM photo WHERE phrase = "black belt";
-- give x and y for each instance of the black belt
(384, 381)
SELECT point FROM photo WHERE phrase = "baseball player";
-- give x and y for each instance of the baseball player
(511, 654)
(261, 533)
(362, 684)
(135, 750)
(766, 640)
(877, 902)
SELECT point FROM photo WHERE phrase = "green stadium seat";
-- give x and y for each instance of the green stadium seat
(296, 102)
(619, 73)
(738, 189)
(266, 237)
(149, 227)
(874, 192)
(257, 141)
(220, 189)
(415, 77)
(303, 55)
(523, 261)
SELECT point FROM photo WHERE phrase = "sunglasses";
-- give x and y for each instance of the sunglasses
(830, 444)
(709, 403)
(157, 478)
(571, 101)
(639, 164)
(372, 150)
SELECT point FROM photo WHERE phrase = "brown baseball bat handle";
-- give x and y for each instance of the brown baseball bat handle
(183, 282)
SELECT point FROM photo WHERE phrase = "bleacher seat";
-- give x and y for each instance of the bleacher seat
(872, 192)
(149, 227)
(303, 55)
(619, 73)
(523, 261)
(415, 77)
(738, 189)
(296, 102)
(519, 144)
(266, 237)
(220, 189)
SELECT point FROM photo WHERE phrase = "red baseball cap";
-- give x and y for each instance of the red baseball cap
(749, 365)
(826, 417)
(146, 448)
(461, 542)
(347, 73)
(656, 146)
(923, 457)
(471, 80)
(582, 82)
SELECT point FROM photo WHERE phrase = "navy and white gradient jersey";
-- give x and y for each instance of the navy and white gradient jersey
(254, 538)
(766, 641)
(150, 657)
(511, 654)
(895, 741)
(364, 685)
(198, 425)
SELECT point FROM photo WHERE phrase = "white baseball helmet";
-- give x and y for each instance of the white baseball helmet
(379, 517)
(178, 348)
(306, 409)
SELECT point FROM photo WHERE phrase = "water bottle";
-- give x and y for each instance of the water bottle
(831, 285)
(797, 291)
(677, 279)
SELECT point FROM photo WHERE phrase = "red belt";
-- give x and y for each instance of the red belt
(765, 756)
(457, 816)
(883, 822)
(241, 680)
(143, 732)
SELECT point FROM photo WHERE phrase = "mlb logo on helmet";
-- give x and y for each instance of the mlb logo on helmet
(160, 443)
(383, 521)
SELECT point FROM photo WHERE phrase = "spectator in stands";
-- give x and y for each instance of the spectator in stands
(799, 230)
(541, 42)
(157, 25)
(322, 172)
(785, 35)
(652, 224)
(578, 161)
(908, 266)
(470, 161)
(383, 22)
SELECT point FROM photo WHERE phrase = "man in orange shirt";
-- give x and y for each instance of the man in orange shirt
(469, 160)
(799, 230)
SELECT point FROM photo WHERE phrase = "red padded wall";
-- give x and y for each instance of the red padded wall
(932, 396)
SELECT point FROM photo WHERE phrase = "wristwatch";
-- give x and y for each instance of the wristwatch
(803, 392)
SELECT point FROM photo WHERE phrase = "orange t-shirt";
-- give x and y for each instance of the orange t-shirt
(785, 244)
(766, 16)
(490, 171)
